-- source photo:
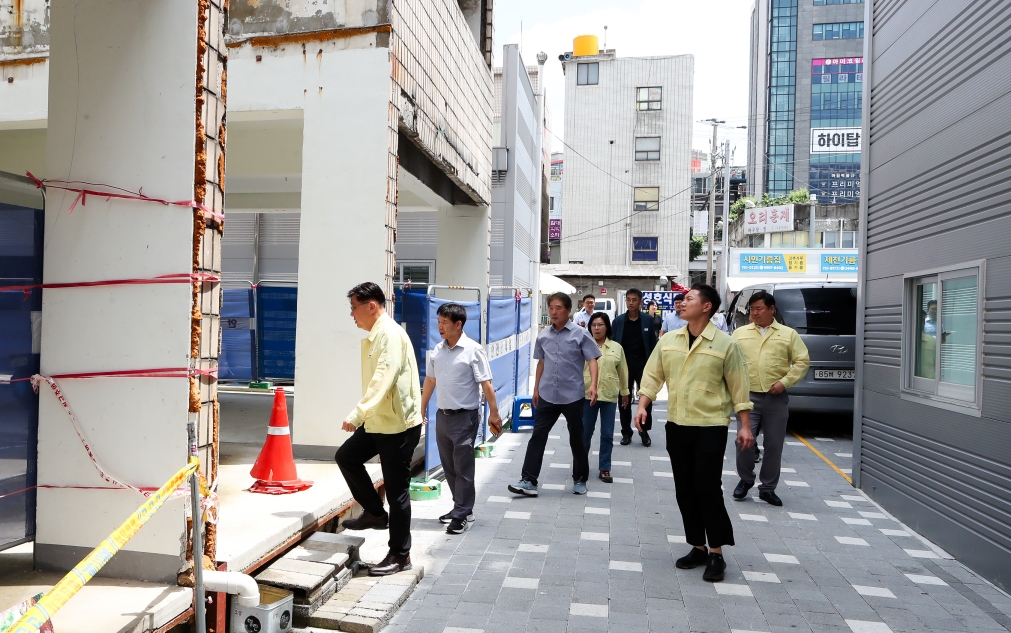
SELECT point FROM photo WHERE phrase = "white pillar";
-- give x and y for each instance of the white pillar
(123, 110)
(463, 256)
(345, 236)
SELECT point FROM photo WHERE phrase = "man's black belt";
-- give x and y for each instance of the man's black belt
(456, 411)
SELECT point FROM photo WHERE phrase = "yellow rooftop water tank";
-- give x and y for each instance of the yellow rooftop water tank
(585, 45)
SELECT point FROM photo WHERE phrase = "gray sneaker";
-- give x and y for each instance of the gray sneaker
(579, 487)
(524, 487)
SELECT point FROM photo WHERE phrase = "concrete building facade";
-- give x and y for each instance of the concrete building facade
(806, 90)
(627, 184)
(933, 412)
(338, 120)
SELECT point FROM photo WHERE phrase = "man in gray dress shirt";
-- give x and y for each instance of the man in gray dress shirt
(458, 366)
(561, 352)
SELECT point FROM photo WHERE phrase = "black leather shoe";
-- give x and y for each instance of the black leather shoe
(694, 558)
(625, 441)
(645, 438)
(366, 521)
(741, 491)
(715, 568)
(771, 498)
(391, 565)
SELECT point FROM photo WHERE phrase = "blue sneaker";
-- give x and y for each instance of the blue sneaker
(524, 487)
(579, 487)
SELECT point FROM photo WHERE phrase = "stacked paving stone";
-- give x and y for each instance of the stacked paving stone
(314, 571)
(366, 604)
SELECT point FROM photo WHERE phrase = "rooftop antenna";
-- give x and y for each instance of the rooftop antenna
(605, 37)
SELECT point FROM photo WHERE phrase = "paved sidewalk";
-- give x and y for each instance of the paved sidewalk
(828, 560)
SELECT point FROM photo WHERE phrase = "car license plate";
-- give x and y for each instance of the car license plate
(834, 374)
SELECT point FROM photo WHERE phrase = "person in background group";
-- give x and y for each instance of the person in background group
(459, 367)
(777, 360)
(583, 316)
(707, 381)
(637, 338)
(654, 311)
(561, 350)
(386, 422)
(720, 321)
(672, 320)
(612, 384)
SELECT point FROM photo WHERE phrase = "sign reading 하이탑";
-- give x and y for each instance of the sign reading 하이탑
(768, 219)
(835, 140)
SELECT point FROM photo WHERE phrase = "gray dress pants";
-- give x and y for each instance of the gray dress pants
(455, 435)
(769, 417)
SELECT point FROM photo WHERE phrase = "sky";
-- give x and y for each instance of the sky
(716, 32)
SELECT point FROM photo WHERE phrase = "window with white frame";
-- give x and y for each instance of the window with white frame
(942, 323)
(648, 98)
(587, 74)
(646, 199)
(647, 148)
(644, 249)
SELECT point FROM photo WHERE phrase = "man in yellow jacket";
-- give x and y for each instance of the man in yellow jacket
(707, 381)
(777, 360)
(385, 422)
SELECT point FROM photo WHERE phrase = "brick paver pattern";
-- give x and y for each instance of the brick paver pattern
(828, 560)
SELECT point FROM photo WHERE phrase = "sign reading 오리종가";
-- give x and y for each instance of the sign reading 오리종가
(768, 219)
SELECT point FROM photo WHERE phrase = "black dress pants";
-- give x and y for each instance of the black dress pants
(635, 369)
(395, 451)
(547, 415)
(696, 457)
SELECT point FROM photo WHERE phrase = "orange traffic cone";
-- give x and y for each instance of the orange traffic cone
(275, 467)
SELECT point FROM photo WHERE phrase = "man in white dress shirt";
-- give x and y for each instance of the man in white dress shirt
(460, 368)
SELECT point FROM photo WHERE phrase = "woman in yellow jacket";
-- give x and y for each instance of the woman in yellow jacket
(612, 382)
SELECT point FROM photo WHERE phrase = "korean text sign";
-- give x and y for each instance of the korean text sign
(768, 219)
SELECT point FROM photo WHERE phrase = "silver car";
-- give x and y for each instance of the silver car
(825, 316)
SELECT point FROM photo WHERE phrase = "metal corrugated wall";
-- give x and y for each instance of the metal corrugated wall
(938, 193)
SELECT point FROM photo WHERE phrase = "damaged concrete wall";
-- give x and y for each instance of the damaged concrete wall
(280, 17)
(24, 29)
(140, 112)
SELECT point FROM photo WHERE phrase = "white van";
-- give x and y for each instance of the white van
(606, 305)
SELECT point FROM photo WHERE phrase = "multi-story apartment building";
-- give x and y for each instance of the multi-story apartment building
(804, 123)
(627, 184)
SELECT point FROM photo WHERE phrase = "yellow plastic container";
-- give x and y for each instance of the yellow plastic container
(585, 45)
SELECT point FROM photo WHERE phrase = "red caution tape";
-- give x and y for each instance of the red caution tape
(180, 278)
(124, 194)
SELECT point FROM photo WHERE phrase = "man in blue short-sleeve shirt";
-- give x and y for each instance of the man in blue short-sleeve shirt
(561, 351)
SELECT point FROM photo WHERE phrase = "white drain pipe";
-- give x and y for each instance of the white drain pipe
(235, 583)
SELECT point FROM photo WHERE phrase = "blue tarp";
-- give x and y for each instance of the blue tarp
(21, 230)
(276, 307)
(502, 315)
(237, 358)
(524, 339)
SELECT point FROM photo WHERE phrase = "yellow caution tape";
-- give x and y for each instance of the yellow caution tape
(825, 459)
(79, 576)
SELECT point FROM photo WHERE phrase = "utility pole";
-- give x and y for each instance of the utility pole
(712, 202)
(725, 240)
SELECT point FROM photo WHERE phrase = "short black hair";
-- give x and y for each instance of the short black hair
(679, 296)
(368, 291)
(652, 303)
(764, 297)
(932, 302)
(603, 317)
(709, 295)
(454, 312)
(585, 297)
(564, 298)
(634, 291)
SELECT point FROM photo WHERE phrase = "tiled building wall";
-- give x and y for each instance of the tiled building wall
(445, 86)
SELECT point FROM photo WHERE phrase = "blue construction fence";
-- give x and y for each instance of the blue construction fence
(507, 341)
(258, 333)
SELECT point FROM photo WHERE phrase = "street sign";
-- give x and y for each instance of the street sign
(603, 291)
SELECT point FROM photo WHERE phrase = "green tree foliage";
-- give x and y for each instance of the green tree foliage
(800, 196)
(695, 245)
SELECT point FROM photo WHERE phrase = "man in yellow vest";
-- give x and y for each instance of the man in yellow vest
(777, 360)
(707, 381)
(385, 422)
